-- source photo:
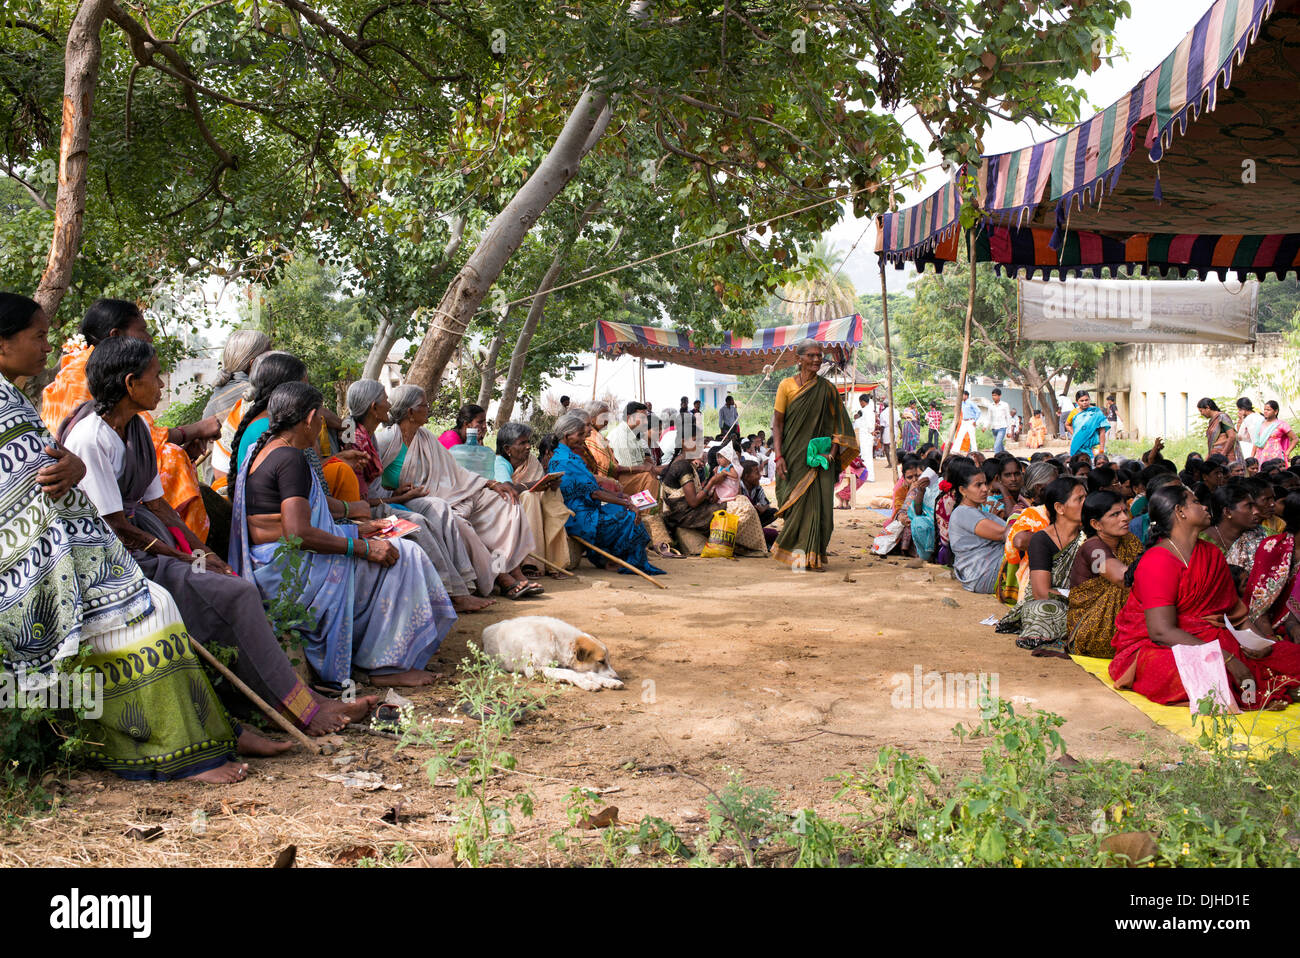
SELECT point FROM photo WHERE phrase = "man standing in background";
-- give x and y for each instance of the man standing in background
(966, 440)
(934, 419)
(728, 419)
(999, 421)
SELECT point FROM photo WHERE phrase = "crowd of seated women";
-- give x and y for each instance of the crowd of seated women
(143, 542)
(1123, 560)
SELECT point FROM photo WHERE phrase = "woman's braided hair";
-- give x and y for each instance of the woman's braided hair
(290, 404)
(271, 371)
(110, 364)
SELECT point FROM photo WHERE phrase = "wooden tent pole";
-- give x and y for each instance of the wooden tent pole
(965, 345)
(889, 372)
(595, 372)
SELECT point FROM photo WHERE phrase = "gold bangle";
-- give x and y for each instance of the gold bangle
(152, 542)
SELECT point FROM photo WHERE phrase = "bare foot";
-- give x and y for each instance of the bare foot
(334, 715)
(250, 743)
(470, 603)
(412, 679)
(226, 774)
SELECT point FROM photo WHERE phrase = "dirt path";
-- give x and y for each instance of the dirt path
(740, 665)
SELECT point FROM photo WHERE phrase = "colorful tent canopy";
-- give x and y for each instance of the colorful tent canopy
(1219, 120)
(738, 355)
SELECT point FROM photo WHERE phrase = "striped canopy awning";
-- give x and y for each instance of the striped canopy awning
(738, 355)
(1218, 191)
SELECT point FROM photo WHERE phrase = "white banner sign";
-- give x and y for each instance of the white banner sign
(1138, 311)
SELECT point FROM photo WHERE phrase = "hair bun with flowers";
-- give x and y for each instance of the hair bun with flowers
(945, 485)
(75, 344)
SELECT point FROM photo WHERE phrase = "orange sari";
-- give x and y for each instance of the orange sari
(180, 481)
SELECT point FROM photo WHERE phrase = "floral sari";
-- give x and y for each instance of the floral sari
(608, 526)
(1271, 588)
(1095, 603)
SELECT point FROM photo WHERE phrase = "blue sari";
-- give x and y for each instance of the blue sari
(383, 620)
(1087, 425)
(610, 527)
(925, 536)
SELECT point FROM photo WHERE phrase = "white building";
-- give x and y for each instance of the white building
(620, 380)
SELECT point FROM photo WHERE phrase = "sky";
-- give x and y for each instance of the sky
(1142, 41)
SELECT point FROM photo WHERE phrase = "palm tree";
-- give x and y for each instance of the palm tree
(824, 293)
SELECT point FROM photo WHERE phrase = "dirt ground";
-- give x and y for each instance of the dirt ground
(739, 664)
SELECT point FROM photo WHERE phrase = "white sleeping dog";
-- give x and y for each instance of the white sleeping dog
(539, 643)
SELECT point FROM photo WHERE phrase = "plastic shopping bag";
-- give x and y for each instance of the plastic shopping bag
(722, 536)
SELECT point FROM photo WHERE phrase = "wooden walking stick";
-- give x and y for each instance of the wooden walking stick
(551, 565)
(324, 748)
(584, 543)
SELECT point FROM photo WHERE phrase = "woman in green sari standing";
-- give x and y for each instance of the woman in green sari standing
(808, 408)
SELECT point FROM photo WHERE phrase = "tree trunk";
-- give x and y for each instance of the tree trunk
(390, 331)
(80, 78)
(489, 379)
(536, 309)
(584, 127)
(386, 337)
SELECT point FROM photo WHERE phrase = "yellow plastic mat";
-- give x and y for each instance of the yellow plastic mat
(1261, 731)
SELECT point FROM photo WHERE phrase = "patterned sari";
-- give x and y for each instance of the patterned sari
(1274, 441)
(1218, 425)
(1271, 588)
(65, 580)
(805, 493)
(1043, 621)
(602, 454)
(179, 478)
(1095, 603)
(1201, 593)
(382, 619)
(1013, 577)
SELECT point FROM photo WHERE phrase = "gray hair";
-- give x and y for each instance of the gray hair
(363, 394)
(570, 423)
(404, 399)
(243, 346)
(595, 408)
(1037, 475)
(511, 433)
(806, 345)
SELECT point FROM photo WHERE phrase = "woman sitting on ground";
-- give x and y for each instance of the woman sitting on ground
(377, 604)
(491, 521)
(691, 497)
(1271, 590)
(539, 495)
(1181, 591)
(110, 318)
(1039, 615)
(439, 533)
(242, 348)
(1013, 574)
(1097, 590)
(604, 519)
(110, 436)
(1232, 515)
(71, 585)
(468, 416)
(975, 536)
(631, 479)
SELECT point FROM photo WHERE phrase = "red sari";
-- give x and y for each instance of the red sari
(1202, 593)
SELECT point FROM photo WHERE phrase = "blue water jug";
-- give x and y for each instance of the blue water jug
(474, 457)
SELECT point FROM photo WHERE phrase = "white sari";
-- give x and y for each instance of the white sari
(493, 528)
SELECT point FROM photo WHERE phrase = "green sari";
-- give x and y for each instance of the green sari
(805, 494)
